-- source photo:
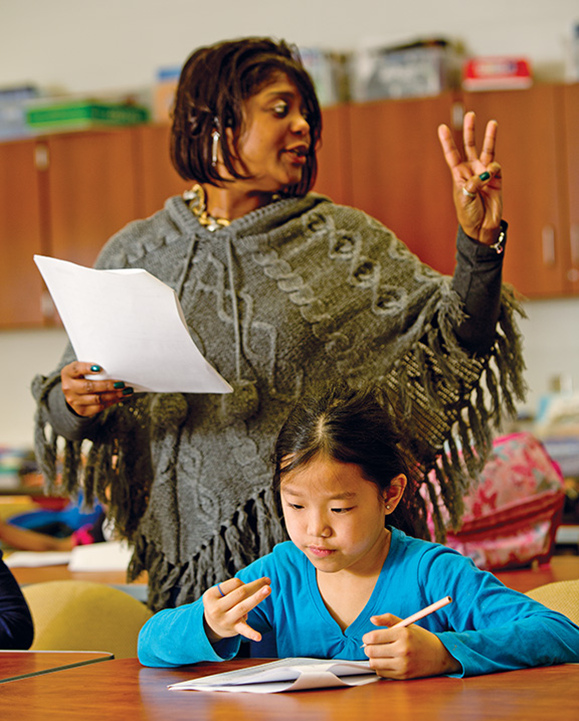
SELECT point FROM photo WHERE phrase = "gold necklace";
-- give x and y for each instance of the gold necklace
(197, 203)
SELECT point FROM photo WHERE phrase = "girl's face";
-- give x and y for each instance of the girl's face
(335, 516)
(275, 138)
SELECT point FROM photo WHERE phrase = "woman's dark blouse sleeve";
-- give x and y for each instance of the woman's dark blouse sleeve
(16, 628)
(478, 281)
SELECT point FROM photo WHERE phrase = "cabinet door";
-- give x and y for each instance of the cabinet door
(529, 151)
(20, 236)
(91, 184)
(399, 174)
(334, 156)
(157, 178)
(571, 121)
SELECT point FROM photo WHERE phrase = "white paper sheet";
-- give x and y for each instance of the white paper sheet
(132, 325)
(105, 556)
(36, 559)
(288, 674)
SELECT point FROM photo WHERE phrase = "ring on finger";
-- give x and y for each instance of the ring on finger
(468, 193)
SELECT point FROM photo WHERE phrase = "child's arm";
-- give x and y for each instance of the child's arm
(488, 627)
(179, 636)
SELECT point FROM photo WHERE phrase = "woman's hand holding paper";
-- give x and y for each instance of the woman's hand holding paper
(87, 396)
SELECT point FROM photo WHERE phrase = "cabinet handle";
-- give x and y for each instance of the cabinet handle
(47, 307)
(41, 156)
(574, 236)
(548, 238)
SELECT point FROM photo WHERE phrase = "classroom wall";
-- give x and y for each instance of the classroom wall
(118, 45)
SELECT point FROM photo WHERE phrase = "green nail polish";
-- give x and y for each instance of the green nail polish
(119, 384)
(484, 176)
(96, 369)
(127, 391)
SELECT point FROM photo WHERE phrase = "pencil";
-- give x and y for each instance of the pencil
(425, 612)
(421, 614)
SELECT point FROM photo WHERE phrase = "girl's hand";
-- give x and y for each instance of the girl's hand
(226, 615)
(88, 397)
(477, 181)
(402, 653)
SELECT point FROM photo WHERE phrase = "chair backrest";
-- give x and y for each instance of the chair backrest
(562, 596)
(84, 616)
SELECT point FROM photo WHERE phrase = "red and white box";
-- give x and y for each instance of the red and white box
(496, 73)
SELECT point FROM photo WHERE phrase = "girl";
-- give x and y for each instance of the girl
(345, 577)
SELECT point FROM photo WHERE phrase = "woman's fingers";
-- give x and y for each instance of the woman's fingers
(489, 143)
(451, 153)
(453, 156)
(86, 396)
(474, 185)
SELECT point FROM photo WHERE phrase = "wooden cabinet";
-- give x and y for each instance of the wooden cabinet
(571, 172)
(399, 175)
(66, 194)
(60, 195)
(156, 177)
(91, 190)
(334, 155)
(21, 236)
(531, 150)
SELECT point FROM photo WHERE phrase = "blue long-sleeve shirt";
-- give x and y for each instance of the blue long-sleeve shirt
(16, 628)
(487, 628)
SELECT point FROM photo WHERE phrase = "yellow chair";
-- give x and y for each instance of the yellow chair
(84, 616)
(562, 596)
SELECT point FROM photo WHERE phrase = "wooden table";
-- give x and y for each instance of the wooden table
(25, 575)
(15, 665)
(560, 568)
(122, 689)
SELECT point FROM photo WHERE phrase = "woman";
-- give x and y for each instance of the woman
(280, 288)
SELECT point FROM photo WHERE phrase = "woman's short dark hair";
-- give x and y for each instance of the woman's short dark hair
(348, 425)
(214, 83)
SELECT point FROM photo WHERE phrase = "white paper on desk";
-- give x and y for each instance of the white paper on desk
(131, 324)
(105, 556)
(286, 674)
(36, 559)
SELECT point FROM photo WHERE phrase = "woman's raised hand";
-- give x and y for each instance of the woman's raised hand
(88, 397)
(477, 180)
(406, 652)
(227, 605)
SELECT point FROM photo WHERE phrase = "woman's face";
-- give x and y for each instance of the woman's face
(275, 137)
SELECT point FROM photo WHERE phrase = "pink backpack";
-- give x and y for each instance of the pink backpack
(512, 514)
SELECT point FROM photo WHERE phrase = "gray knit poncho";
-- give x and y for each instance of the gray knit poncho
(286, 296)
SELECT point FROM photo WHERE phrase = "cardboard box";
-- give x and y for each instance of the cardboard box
(423, 68)
(496, 73)
(83, 114)
(13, 104)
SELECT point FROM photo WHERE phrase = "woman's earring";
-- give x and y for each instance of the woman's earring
(387, 508)
(215, 146)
